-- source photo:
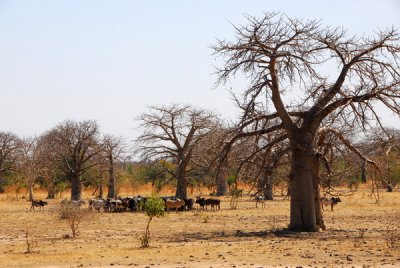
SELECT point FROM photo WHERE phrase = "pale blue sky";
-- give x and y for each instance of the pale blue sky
(108, 60)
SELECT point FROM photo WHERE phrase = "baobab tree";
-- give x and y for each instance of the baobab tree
(113, 150)
(286, 61)
(171, 133)
(75, 146)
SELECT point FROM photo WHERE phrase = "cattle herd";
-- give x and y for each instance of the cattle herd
(137, 203)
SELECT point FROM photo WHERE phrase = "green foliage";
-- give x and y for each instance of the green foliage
(230, 180)
(154, 207)
(237, 193)
(158, 173)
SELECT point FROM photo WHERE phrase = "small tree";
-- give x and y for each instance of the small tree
(74, 216)
(154, 207)
(235, 195)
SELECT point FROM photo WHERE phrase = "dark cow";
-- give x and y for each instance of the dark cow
(214, 203)
(38, 203)
(132, 204)
(188, 203)
(201, 201)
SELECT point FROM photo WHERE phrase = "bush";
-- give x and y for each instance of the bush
(74, 216)
(154, 207)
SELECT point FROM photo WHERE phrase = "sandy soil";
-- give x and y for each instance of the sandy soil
(356, 236)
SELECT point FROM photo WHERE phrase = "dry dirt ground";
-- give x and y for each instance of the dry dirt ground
(356, 236)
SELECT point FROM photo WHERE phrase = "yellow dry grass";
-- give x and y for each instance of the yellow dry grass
(356, 235)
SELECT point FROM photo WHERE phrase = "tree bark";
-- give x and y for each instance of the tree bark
(181, 187)
(51, 192)
(363, 172)
(101, 189)
(302, 192)
(2, 184)
(112, 191)
(269, 188)
(317, 196)
(30, 189)
(266, 185)
(76, 186)
(222, 183)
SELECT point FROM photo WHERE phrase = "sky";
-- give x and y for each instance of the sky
(109, 60)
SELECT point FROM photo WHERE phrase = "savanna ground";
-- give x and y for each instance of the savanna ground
(357, 235)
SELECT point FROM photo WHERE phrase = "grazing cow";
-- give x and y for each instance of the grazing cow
(188, 203)
(38, 203)
(260, 199)
(214, 203)
(97, 204)
(176, 204)
(115, 205)
(201, 201)
(132, 204)
(140, 202)
(76, 203)
(125, 203)
(329, 201)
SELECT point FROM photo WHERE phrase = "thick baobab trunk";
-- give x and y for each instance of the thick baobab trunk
(51, 191)
(30, 189)
(76, 187)
(2, 184)
(101, 189)
(266, 185)
(222, 185)
(268, 190)
(315, 160)
(181, 186)
(112, 191)
(302, 192)
(363, 172)
(221, 181)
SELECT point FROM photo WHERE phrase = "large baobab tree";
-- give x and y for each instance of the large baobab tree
(113, 150)
(171, 133)
(304, 78)
(75, 146)
(10, 145)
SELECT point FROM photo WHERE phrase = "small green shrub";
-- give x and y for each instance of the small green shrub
(154, 207)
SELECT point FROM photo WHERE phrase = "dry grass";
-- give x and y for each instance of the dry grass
(356, 235)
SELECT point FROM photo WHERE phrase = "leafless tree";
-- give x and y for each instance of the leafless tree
(113, 150)
(75, 146)
(204, 158)
(10, 145)
(28, 164)
(286, 61)
(171, 132)
(384, 144)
